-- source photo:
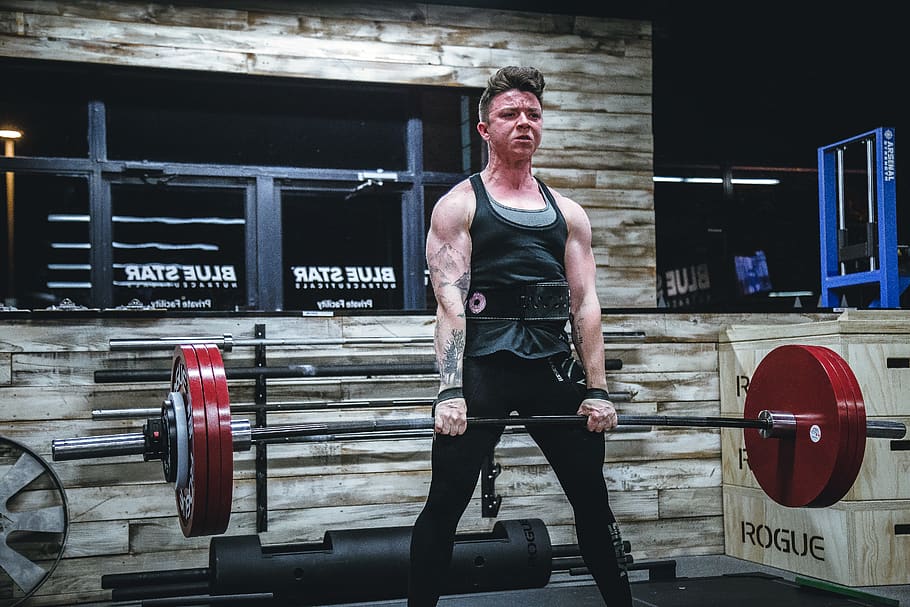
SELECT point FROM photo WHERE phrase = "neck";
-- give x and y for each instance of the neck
(512, 175)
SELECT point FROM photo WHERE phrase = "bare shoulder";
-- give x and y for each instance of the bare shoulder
(573, 212)
(460, 193)
(457, 205)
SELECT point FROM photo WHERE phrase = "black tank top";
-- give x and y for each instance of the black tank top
(504, 254)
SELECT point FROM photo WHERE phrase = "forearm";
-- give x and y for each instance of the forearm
(449, 344)
(587, 336)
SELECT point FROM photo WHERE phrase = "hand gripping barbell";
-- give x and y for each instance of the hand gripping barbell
(805, 452)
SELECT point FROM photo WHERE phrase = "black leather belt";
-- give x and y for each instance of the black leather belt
(538, 301)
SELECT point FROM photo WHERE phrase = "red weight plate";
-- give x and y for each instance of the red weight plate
(794, 471)
(838, 484)
(192, 500)
(213, 441)
(223, 500)
(850, 469)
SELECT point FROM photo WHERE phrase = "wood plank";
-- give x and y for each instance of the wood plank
(450, 34)
(675, 537)
(663, 358)
(6, 368)
(116, 34)
(588, 142)
(124, 54)
(671, 327)
(690, 502)
(606, 124)
(97, 539)
(160, 14)
(609, 159)
(507, 20)
(95, 333)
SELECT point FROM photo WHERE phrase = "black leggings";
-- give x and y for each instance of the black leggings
(494, 386)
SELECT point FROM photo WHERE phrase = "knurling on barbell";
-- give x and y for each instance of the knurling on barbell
(804, 428)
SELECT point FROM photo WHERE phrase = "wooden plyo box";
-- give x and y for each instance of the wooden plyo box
(863, 540)
(849, 543)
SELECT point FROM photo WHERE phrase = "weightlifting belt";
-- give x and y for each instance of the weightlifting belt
(539, 301)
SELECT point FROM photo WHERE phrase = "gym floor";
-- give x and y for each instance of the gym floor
(702, 581)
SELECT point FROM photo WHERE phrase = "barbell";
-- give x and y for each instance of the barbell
(804, 427)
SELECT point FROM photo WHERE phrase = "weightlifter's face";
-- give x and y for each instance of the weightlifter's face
(515, 125)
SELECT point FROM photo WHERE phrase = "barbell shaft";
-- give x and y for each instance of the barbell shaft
(134, 443)
(114, 445)
(311, 405)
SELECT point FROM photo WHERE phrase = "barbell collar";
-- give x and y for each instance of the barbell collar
(241, 434)
(780, 424)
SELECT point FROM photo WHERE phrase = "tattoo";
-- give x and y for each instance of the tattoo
(577, 336)
(449, 368)
(445, 264)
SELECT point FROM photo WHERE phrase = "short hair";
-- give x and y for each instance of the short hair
(527, 79)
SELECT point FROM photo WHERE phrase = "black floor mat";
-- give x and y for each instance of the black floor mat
(732, 590)
(742, 590)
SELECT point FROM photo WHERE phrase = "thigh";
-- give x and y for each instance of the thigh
(575, 453)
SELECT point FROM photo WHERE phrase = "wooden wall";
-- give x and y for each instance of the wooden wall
(665, 485)
(597, 146)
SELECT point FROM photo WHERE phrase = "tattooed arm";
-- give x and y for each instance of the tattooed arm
(587, 333)
(449, 263)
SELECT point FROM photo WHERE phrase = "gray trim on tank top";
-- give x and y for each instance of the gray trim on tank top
(531, 218)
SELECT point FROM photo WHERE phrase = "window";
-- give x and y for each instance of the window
(195, 191)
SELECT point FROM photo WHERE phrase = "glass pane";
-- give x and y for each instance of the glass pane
(44, 104)
(451, 143)
(342, 254)
(180, 248)
(250, 121)
(49, 257)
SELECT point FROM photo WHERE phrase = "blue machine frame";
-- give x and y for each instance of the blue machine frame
(882, 178)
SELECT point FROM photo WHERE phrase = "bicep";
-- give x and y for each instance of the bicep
(579, 256)
(449, 252)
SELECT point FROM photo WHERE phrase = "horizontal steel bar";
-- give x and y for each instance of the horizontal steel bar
(109, 376)
(227, 342)
(273, 433)
(314, 405)
(134, 444)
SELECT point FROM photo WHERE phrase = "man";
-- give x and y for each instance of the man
(504, 253)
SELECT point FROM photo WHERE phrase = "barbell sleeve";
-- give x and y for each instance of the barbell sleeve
(91, 447)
